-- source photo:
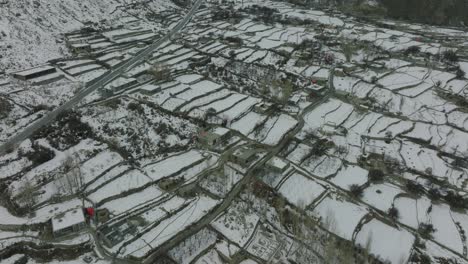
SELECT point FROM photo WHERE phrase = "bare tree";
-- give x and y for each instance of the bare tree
(72, 180)
(27, 196)
(160, 71)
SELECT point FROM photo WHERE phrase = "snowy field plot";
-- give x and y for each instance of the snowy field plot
(173, 164)
(462, 219)
(334, 112)
(283, 125)
(340, 216)
(446, 232)
(419, 158)
(108, 176)
(160, 211)
(226, 103)
(191, 247)
(238, 223)
(131, 180)
(412, 211)
(247, 123)
(261, 131)
(404, 77)
(189, 174)
(206, 100)
(170, 227)
(199, 89)
(14, 167)
(323, 166)
(299, 153)
(189, 78)
(211, 257)
(381, 196)
(98, 164)
(124, 204)
(300, 190)
(387, 242)
(350, 175)
(240, 108)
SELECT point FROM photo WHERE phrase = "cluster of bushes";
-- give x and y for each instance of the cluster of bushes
(235, 40)
(134, 106)
(356, 190)
(66, 131)
(5, 107)
(39, 155)
(222, 14)
(426, 230)
(452, 198)
(263, 13)
(321, 147)
(428, 11)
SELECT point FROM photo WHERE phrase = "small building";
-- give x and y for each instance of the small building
(244, 156)
(114, 234)
(69, 222)
(79, 47)
(34, 72)
(118, 85)
(277, 165)
(262, 108)
(215, 137)
(315, 90)
(150, 89)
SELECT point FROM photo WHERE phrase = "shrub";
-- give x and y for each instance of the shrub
(376, 175)
(450, 56)
(321, 147)
(22, 260)
(394, 213)
(114, 103)
(235, 40)
(412, 50)
(40, 155)
(426, 230)
(5, 107)
(460, 73)
(68, 130)
(414, 187)
(133, 106)
(434, 194)
(456, 200)
(355, 190)
(40, 107)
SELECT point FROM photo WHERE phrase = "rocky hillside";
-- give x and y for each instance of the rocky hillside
(30, 31)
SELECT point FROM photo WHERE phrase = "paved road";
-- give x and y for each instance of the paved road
(98, 83)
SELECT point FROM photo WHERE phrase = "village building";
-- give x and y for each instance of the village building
(244, 156)
(113, 235)
(79, 47)
(315, 90)
(34, 72)
(277, 165)
(150, 89)
(262, 108)
(215, 137)
(69, 222)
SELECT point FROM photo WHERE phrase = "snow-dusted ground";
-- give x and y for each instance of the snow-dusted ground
(393, 114)
(31, 33)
